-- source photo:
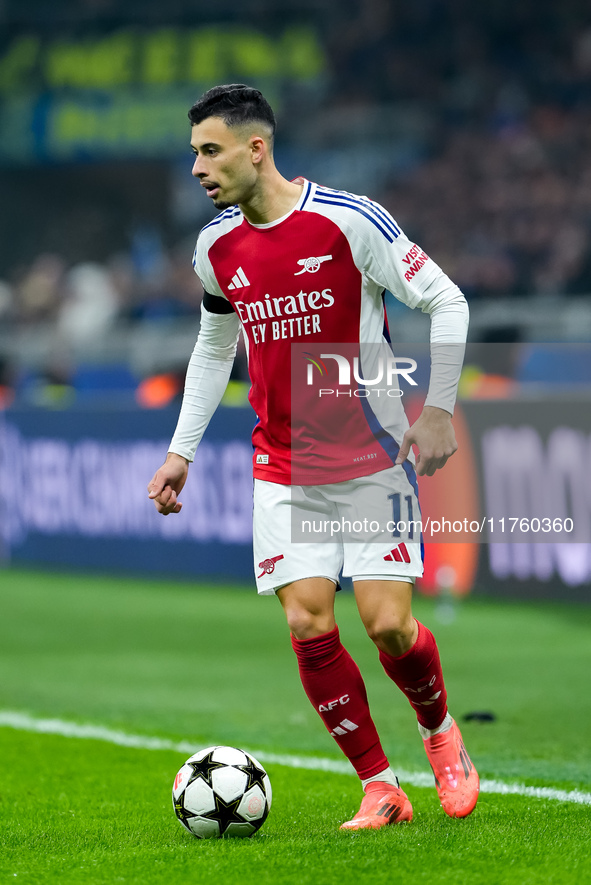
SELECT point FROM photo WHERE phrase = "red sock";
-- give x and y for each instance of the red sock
(417, 673)
(333, 683)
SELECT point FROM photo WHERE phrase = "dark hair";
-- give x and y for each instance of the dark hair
(236, 104)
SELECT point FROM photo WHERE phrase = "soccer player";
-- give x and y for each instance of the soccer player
(291, 264)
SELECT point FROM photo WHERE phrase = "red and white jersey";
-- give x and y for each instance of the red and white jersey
(301, 286)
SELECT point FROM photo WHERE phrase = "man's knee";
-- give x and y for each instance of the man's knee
(305, 624)
(309, 609)
(392, 632)
(386, 612)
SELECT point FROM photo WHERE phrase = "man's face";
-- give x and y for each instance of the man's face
(223, 162)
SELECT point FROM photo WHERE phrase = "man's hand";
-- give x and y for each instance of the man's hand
(434, 436)
(167, 483)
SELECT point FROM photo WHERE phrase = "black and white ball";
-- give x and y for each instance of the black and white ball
(222, 791)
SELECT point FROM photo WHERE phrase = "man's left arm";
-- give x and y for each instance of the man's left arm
(433, 432)
(393, 262)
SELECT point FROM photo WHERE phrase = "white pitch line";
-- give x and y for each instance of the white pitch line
(24, 722)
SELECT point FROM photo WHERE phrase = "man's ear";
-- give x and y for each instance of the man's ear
(258, 148)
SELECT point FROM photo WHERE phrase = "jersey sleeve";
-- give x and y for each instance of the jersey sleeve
(204, 269)
(392, 261)
(207, 377)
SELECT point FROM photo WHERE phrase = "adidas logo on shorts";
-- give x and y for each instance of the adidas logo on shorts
(398, 554)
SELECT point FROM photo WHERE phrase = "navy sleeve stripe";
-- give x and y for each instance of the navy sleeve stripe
(357, 208)
(305, 200)
(365, 201)
(226, 214)
(381, 213)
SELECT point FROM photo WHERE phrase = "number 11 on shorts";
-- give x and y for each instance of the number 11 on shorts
(396, 515)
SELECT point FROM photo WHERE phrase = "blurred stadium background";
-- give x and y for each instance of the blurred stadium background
(470, 122)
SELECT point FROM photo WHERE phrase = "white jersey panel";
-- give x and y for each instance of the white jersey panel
(222, 224)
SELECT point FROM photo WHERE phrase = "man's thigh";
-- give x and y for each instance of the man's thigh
(278, 558)
(381, 527)
(309, 606)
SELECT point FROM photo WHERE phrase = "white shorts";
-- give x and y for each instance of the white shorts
(364, 528)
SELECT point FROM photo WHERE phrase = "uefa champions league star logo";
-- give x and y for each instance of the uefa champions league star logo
(311, 265)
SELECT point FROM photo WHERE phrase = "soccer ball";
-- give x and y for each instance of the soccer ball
(221, 791)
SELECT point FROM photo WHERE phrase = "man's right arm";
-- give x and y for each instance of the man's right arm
(207, 378)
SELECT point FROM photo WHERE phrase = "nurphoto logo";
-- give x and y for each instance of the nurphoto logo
(385, 370)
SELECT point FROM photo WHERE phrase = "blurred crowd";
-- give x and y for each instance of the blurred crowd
(501, 197)
(81, 301)
(67, 315)
(507, 211)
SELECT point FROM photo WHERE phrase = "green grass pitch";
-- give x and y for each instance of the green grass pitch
(212, 664)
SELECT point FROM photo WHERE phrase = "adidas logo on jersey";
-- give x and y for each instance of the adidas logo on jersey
(398, 554)
(239, 280)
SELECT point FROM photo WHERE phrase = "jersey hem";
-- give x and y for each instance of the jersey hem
(323, 478)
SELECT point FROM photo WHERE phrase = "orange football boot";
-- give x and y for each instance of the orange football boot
(382, 804)
(456, 779)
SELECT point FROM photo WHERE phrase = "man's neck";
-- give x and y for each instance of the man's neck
(274, 198)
